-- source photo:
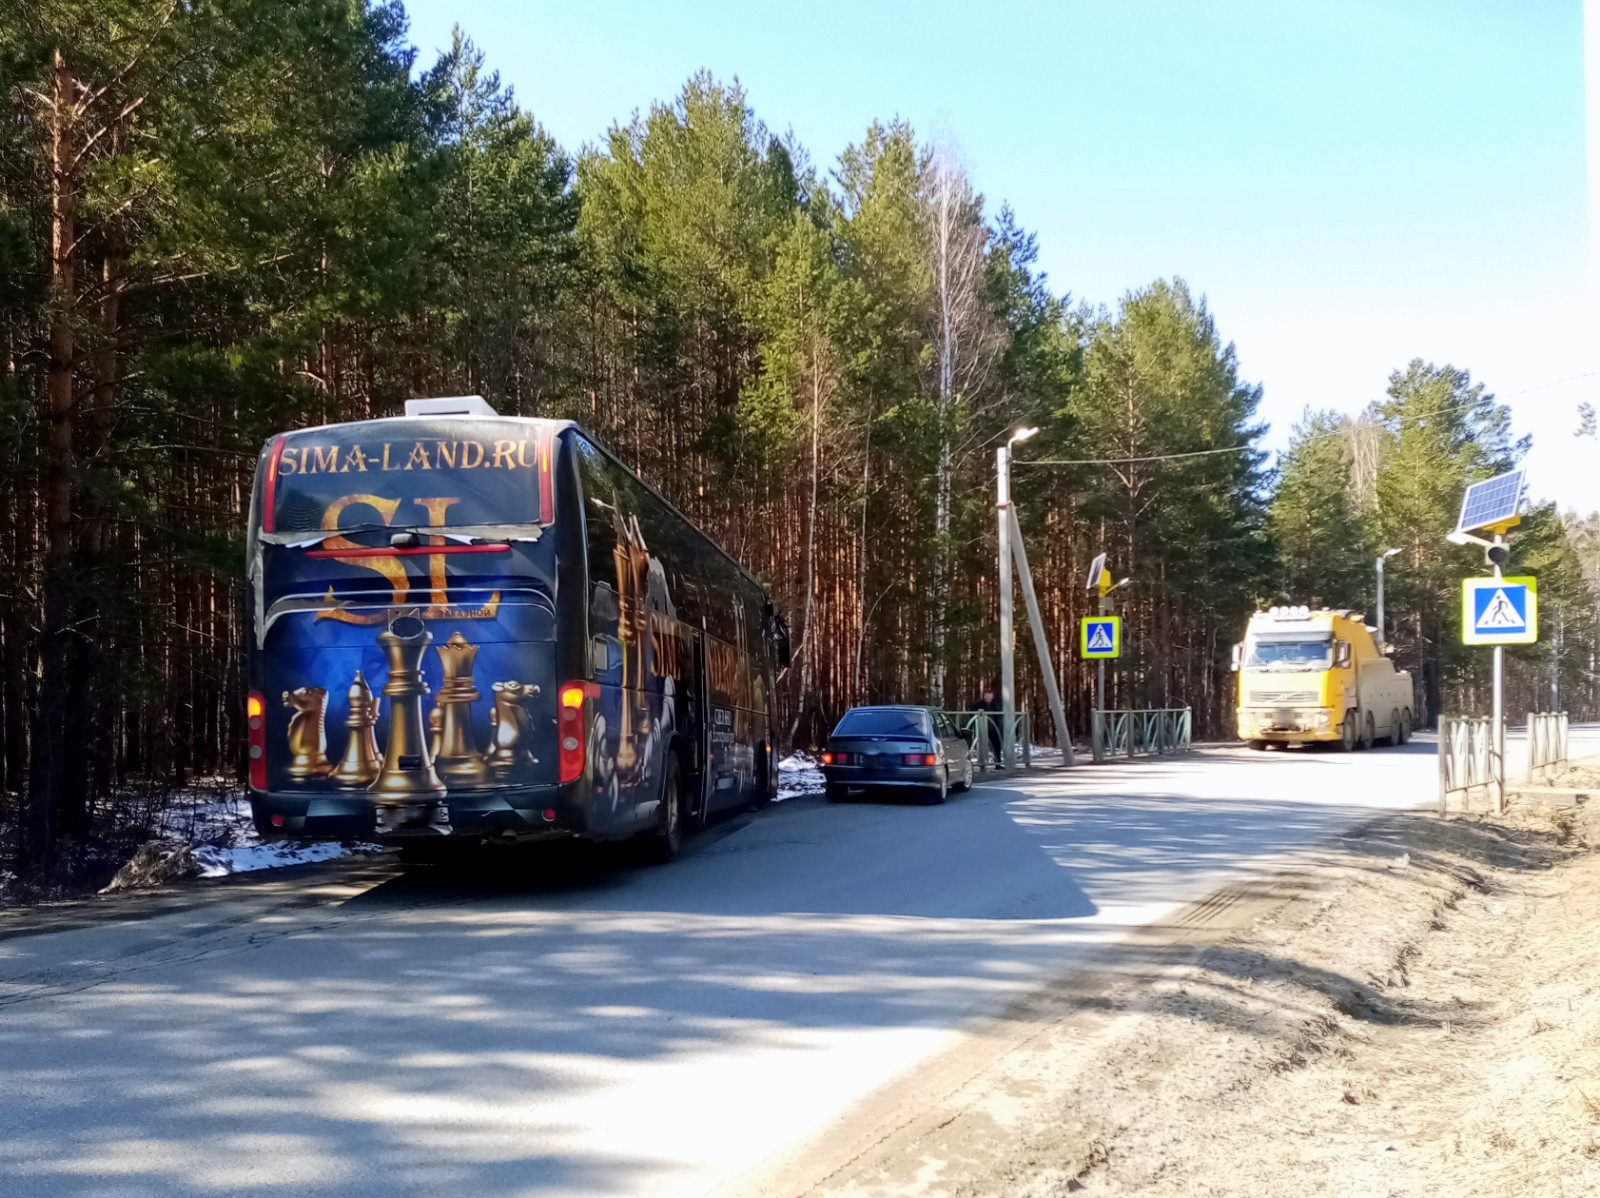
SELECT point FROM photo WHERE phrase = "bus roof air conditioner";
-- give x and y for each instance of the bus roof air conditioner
(450, 405)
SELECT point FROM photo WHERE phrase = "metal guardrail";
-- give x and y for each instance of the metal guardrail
(1547, 742)
(1467, 759)
(1127, 733)
(985, 729)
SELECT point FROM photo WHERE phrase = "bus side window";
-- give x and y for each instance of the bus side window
(600, 541)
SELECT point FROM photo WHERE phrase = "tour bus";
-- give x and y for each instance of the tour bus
(468, 628)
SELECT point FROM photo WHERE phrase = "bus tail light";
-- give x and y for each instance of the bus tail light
(256, 713)
(571, 727)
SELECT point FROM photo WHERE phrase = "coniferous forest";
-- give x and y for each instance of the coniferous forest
(224, 218)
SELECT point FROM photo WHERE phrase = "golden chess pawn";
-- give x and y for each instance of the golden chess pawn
(408, 771)
(513, 729)
(456, 757)
(308, 737)
(359, 766)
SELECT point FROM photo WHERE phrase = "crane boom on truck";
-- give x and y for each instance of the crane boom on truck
(1317, 675)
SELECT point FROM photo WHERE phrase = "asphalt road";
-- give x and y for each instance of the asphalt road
(596, 1026)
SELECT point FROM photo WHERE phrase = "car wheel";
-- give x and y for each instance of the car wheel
(966, 777)
(934, 795)
(835, 792)
(1347, 732)
(668, 839)
(1369, 732)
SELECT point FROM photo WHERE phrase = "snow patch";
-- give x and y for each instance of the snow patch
(799, 774)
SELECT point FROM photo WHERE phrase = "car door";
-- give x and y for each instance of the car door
(955, 748)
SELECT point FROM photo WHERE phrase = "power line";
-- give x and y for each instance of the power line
(1160, 457)
(1338, 432)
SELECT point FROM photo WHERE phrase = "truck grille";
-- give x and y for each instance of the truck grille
(1282, 698)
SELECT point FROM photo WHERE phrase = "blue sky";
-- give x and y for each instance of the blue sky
(1350, 184)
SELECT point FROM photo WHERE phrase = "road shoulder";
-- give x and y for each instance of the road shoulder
(1414, 1011)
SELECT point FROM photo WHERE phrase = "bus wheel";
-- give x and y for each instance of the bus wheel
(763, 793)
(669, 820)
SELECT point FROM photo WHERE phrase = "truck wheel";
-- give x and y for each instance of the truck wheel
(1259, 746)
(1347, 732)
(1369, 732)
(1394, 728)
(1405, 726)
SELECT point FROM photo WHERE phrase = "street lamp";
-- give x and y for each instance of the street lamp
(1382, 557)
(1008, 672)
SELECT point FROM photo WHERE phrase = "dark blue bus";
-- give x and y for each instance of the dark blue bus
(470, 628)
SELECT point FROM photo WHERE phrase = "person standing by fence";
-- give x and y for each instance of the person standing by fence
(991, 703)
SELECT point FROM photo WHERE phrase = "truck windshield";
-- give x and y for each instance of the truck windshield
(1298, 654)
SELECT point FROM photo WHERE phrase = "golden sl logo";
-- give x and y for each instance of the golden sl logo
(393, 568)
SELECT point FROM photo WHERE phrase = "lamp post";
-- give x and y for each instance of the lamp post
(1382, 557)
(1008, 672)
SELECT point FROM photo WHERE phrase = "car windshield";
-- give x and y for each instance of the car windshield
(880, 721)
(1299, 654)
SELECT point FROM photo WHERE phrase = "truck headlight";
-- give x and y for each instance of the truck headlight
(1323, 723)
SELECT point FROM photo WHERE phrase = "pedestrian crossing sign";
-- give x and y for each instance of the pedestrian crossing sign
(1100, 636)
(1499, 611)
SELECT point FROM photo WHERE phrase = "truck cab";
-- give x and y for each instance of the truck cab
(1317, 675)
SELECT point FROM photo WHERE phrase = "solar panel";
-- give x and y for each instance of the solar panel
(1493, 501)
(1095, 567)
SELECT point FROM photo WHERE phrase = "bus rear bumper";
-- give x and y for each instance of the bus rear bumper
(528, 813)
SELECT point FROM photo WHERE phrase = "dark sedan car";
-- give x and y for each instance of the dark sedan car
(914, 749)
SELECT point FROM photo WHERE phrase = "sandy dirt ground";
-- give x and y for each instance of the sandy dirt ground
(1416, 1012)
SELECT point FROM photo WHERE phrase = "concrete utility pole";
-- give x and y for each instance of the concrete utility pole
(1382, 557)
(1008, 670)
(1036, 624)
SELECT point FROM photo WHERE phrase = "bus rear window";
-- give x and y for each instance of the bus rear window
(409, 474)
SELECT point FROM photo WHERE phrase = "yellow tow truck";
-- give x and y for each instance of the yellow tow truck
(1317, 675)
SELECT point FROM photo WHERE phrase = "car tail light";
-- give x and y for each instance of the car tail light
(920, 759)
(570, 727)
(256, 718)
(829, 758)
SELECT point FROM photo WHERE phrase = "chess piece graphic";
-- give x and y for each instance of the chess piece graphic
(308, 738)
(359, 766)
(457, 760)
(435, 726)
(513, 729)
(408, 771)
